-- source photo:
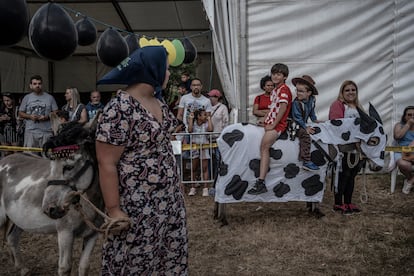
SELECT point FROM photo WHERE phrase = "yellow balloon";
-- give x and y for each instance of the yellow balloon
(172, 54)
(154, 42)
(143, 42)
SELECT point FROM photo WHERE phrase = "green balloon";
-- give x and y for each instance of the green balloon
(179, 51)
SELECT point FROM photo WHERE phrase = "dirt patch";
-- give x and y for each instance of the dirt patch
(277, 238)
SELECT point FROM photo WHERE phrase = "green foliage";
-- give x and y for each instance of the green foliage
(175, 79)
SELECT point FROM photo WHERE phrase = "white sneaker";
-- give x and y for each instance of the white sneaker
(192, 192)
(205, 191)
(407, 187)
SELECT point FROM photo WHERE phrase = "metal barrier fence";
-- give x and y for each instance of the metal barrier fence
(197, 156)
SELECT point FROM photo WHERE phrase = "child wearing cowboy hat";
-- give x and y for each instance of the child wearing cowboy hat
(303, 108)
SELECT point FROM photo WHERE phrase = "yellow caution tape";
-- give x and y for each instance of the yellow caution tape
(186, 147)
(400, 148)
(16, 148)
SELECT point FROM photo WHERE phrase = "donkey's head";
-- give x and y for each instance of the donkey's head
(72, 152)
(372, 136)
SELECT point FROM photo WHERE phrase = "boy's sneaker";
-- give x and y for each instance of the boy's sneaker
(205, 192)
(310, 166)
(407, 187)
(192, 192)
(353, 208)
(259, 188)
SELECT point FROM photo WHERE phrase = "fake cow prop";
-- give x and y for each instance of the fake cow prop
(239, 145)
(36, 195)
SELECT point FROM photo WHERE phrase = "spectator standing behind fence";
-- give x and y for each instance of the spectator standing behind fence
(193, 101)
(186, 79)
(404, 136)
(181, 90)
(35, 109)
(261, 104)
(8, 122)
(303, 108)
(200, 122)
(138, 172)
(219, 119)
(76, 109)
(94, 105)
(346, 106)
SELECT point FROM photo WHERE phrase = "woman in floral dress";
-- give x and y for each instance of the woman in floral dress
(138, 171)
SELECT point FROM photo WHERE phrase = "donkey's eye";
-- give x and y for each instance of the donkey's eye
(373, 141)
(67, 168)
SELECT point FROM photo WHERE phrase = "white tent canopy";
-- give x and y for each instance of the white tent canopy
(368, 41)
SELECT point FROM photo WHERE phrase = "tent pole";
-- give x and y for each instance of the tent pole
(243, 61)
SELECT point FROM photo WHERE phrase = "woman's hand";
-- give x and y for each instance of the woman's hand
(116, 212)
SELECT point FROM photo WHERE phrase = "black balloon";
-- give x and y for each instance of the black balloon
(132, 43)
(14, 19)
(52, 32)
(86, 32)
(190, 51)
(111, 48)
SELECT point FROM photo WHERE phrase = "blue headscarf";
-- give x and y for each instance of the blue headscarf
(144, 65)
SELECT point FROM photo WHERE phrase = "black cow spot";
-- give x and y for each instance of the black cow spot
(357, 121)
(254, 165)
(283, 136)
(236, 187)
(381, 130)
(317, 130)
(281, 189)
(368, 127)
(336, 122)
(346, 135)
(275, 154)
(318, 158)
(312, 185)
(244, 123)
(231, 137)
(223, 169)
(291, 170)
(382, 155)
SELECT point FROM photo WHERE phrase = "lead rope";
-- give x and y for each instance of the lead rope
(348, 159)
(113, 225)
(358, 157)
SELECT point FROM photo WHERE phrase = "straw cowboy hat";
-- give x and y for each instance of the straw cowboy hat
(306, 79)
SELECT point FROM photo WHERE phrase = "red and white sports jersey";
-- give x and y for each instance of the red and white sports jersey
(280, 94)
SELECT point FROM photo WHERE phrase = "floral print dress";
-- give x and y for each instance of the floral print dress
(156, 243)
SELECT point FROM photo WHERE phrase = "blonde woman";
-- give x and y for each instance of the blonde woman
(76, 109)
(346, 106)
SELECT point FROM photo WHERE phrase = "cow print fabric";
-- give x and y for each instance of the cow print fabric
(286, 180)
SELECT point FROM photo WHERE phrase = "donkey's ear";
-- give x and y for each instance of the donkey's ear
(373, 113)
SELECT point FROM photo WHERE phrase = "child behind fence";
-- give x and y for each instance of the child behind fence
(200, 122)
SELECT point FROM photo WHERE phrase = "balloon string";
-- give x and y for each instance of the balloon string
(77, 14)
